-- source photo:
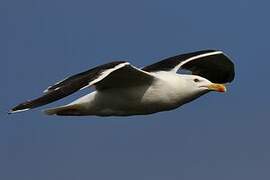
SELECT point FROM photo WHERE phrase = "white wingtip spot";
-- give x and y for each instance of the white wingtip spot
(21, 110)
(46, 90)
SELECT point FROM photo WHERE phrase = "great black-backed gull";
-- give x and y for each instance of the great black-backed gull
(122, 89)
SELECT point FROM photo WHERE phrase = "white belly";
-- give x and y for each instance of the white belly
(160, 96)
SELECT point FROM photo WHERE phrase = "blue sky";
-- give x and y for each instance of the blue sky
(219, 136)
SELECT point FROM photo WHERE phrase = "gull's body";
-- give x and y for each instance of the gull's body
(123, 90)
(161, 95)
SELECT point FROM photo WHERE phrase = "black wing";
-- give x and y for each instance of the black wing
(112, 75)
(211, 64)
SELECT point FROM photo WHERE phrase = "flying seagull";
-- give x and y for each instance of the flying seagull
(122, 89)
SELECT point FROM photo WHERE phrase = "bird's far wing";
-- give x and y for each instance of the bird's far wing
(126, 76)
(213, 65)
(112, 75)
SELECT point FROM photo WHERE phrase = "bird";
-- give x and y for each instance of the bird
(121, 89)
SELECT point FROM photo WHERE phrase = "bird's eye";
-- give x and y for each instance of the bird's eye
(196, 80)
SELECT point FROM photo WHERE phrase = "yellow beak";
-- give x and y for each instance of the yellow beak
(217, 87)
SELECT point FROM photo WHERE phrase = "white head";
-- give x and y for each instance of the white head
(197, 85)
